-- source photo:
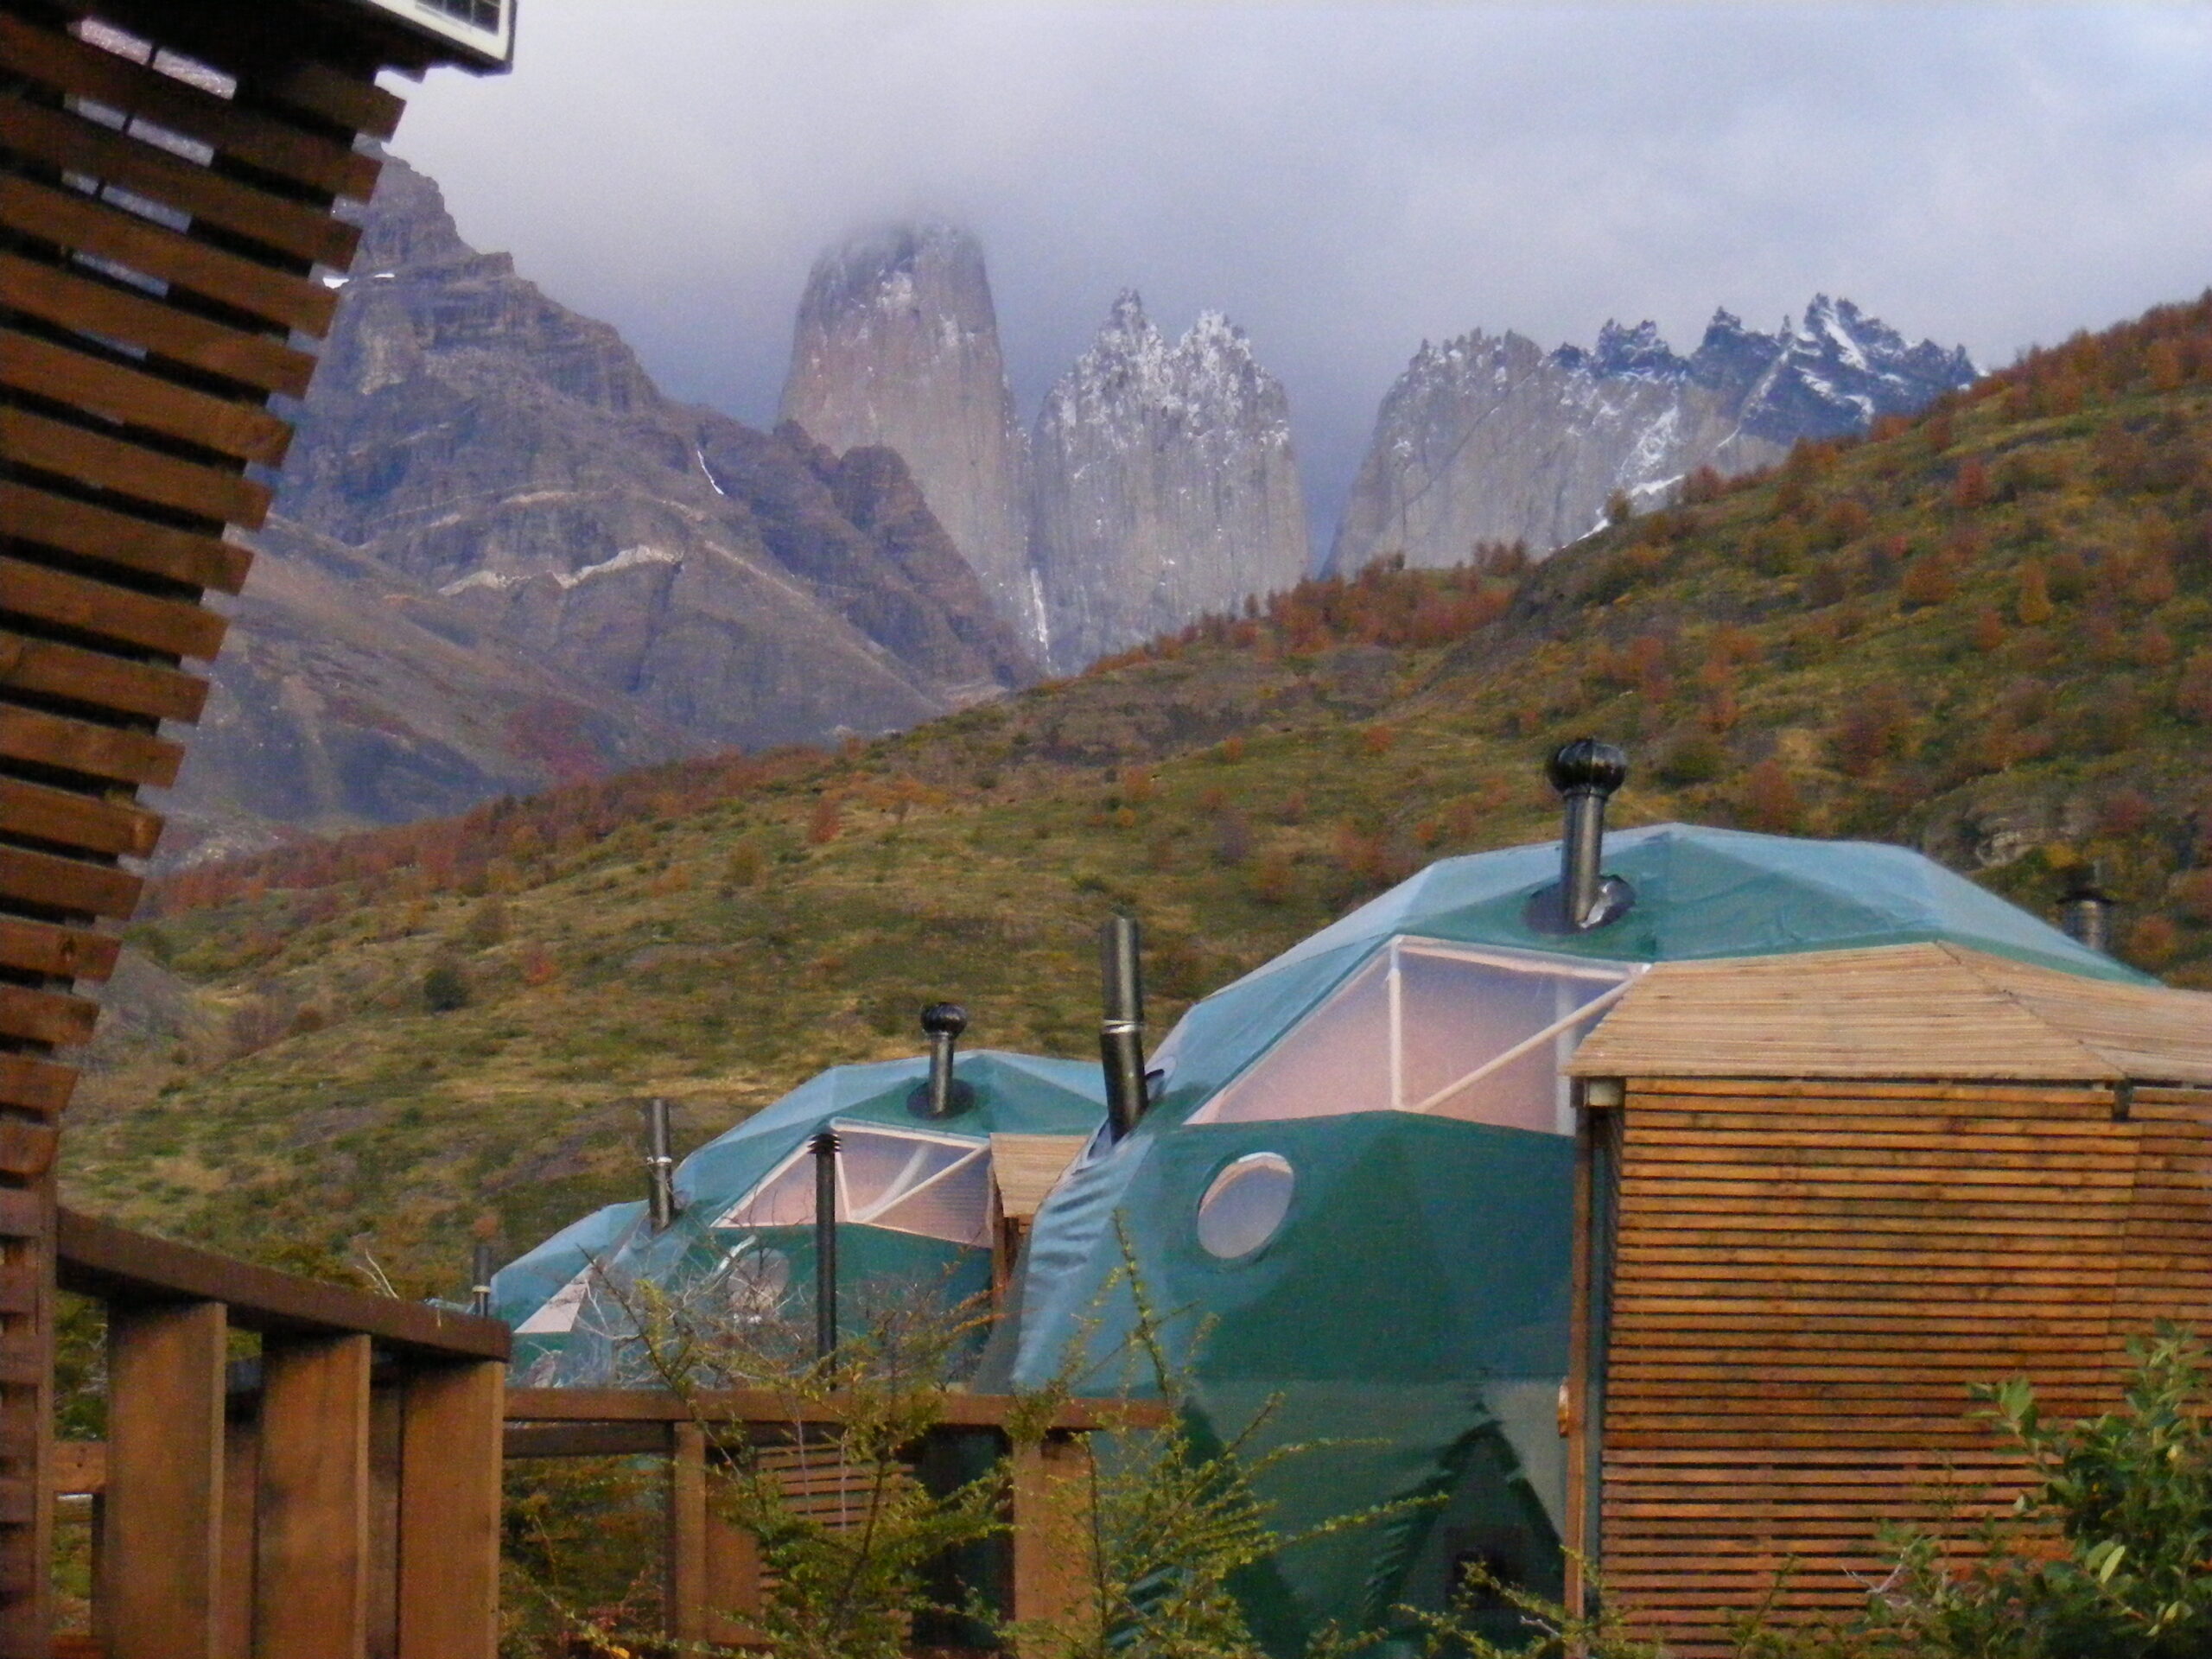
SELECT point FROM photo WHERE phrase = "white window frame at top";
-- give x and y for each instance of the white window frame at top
(1617, 975)
(973, 1149)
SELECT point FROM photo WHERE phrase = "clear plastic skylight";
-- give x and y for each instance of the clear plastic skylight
(1422, 1027)
(936, 1185)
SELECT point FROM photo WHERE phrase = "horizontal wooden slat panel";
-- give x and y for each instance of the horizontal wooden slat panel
(68, 883)
(73, 300)
(99, 532)
(74, 144)
(60, 815)
(175, 626)
(79, 745)
(59, 952)
(58, 671)
(78, 222)
(75, 66)
(26, 1152)
(1807, 1280)
(137, 398)
(130, 469)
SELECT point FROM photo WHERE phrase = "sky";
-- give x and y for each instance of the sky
(1342, 181)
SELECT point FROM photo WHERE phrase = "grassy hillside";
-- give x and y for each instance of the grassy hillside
(1987, 634)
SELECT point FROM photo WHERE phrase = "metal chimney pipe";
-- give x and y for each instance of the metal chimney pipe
(1121, 1033)
(1585, 773)
(480, 1280)
(660, 1166)
(824, 1148)
(943, 1022)
(2085, 908)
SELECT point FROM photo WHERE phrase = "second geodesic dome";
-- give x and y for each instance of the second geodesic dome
(919, 1205)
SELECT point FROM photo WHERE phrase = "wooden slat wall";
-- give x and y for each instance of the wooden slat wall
(162, 219)
(1808, 1276)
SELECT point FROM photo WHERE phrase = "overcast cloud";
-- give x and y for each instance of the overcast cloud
(1342, 181)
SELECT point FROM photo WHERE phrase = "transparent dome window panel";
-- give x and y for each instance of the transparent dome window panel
(1423, 1028)
(876, 1170)
(1324, 1066)
(557, 1316)
(955, 1206)
(786, 1198)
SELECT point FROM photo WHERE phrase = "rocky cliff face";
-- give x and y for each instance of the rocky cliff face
(1163, 486)
(1491, 439)
(492, 505)
(897, 348)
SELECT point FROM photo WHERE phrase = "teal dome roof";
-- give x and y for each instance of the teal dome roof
(1702, 893)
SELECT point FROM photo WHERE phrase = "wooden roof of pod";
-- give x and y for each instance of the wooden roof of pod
(1931, 1010)
(1028, 1166)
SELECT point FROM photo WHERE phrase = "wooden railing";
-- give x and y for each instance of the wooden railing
(712, 1569)
(344, 1502)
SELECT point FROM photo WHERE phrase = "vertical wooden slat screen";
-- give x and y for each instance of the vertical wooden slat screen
(168, 174)
(1808, 1278)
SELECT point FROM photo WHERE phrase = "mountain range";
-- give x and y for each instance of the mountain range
(1491, 440)
(501, 559)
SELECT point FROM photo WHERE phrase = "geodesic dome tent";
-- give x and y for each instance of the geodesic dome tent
(919, 1204)
(1360, 1166)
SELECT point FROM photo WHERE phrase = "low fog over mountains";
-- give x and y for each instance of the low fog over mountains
(501, 558)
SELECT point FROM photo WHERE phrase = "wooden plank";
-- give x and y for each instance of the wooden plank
(312, 1559)
(768, 1405)
(75, 66)
(163, 1514)
(586, 1440)
(97, 532)
(68, 883)
(79, 745)
(175, 626)
(52, 1017)
(55, 670)
(59, 952)
(342, 100)
(74, 144)
(79, 223)
(685, 1615)
(130, 469)
(71, 299)
(450, 1512)
(241, 1501)
(79, 1467)
(98, 825)
(735, 1585)
(100, 1259)
(35, 1085)
(26, 1152)
(133, 397)
(1052, 1534)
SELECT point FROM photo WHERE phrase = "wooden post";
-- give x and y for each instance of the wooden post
(241, 1471)
(314, 1553)
(449, 1511)
(732, 1575)
(687, 1535)
(162, 1517)
(1574, 1409)
(1051, 1530)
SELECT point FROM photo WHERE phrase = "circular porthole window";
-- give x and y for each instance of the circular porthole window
(1245, 1205)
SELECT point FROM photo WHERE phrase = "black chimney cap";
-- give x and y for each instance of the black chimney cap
(1587, 764)
(944, 1019)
